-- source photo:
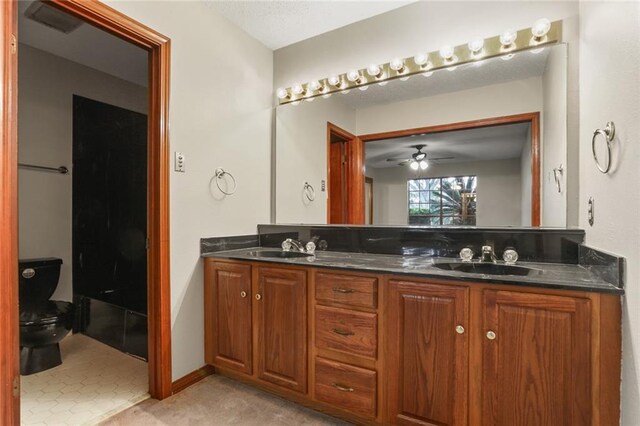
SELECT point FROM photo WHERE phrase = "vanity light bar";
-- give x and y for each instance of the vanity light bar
(506, 44)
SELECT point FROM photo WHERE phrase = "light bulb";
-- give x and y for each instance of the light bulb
(353, 76)
(297, 89)
(374, 70)
(536, 51)
(540, 28)
(363, 88)
(476, 44)
(334, 80)
(424, 165)
(315, 85)
(282, 93)
(421, 59)
(397, 64)
(508, 37)
(446, 52)
(507, 57)
(414, 165)
(427, 74)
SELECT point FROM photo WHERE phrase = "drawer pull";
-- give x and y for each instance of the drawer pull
(343, 332)
(343, 290)
(243, 294)
(342, 388)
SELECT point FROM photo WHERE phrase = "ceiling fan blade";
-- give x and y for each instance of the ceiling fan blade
(440, 158)
(397, 159)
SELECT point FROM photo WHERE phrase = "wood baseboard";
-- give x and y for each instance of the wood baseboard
(191, 379)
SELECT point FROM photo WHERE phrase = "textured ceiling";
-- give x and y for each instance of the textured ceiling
(278, 24)
(483, 144)
(88, 46)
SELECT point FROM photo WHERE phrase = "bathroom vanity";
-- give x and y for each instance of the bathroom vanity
(379, 338)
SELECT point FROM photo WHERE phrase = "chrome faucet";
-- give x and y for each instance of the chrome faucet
(290, 243)
(488, 256)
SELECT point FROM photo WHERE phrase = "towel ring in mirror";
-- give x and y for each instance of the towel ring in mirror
(309, 192)
(220, 174)
(608, 133)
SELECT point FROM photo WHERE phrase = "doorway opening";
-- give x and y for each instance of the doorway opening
(147, 242)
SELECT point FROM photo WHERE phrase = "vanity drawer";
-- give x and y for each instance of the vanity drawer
(350, 290)
(347, 331)
(346, 386)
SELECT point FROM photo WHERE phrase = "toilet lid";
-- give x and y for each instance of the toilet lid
(52, 312)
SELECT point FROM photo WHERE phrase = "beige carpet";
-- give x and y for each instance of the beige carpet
(218, 400)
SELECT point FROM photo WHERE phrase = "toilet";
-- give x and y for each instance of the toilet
(43, 322)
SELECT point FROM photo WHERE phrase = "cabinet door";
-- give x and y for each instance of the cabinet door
(536, 359)
(427, 353)
(228, 316)
(281, 311)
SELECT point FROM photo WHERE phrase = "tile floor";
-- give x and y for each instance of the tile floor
(94, 382)
(217, 400)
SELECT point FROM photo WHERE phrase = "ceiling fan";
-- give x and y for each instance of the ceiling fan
(418, 159)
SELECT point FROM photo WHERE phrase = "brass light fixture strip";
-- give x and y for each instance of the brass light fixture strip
(462, 55)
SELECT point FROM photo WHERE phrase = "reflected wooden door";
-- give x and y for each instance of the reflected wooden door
(345, 172)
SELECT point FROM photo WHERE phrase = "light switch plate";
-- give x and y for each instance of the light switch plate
(179, 162)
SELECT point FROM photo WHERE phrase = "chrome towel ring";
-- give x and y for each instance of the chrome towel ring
(309, 192)
(608, 133)
(220, 173)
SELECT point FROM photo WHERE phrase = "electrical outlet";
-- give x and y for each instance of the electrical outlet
(323, 186)
(179, 162)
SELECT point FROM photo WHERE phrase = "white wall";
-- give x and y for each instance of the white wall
(301, 156)
(46, 85)
(554, 137)
(498, 191)
(418, 27)
(220, 116)
(610, 90)
(496, 100)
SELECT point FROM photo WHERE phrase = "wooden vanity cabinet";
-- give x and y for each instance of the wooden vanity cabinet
(256, 322)
(228, 320)
(281, 327)
(392, 349)
(536, 359)
(427, 353)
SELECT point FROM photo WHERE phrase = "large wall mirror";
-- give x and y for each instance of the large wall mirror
(482, 144)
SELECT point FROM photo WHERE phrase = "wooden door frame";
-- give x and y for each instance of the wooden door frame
(531, 117)
(369, 180)
(108, 19)
(354, 175)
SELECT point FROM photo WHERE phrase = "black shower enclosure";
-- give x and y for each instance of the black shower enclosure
(110, 224)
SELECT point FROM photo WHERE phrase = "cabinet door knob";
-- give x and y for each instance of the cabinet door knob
(243, 294)
(491, 335)
(459, 329)
(258, 297)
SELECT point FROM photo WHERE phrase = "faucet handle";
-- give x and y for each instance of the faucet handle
(466, 254)
(310, 247)
(286, 245)
(510, 256)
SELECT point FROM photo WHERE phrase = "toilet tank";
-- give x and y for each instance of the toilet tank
(38, 280)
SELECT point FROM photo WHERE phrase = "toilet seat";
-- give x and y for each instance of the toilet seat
(55, 311)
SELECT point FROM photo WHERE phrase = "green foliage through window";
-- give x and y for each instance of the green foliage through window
(449, 201)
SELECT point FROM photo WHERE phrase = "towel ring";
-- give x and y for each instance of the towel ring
(309, 192)
(219, 174)
(608, 133)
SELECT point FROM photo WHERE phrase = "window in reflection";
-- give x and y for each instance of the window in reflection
(449, 201)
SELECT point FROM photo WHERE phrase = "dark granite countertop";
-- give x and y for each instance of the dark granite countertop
(550, 275)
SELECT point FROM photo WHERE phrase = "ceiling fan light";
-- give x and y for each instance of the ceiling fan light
(424, 165)
(414, 165)
(419, 156)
